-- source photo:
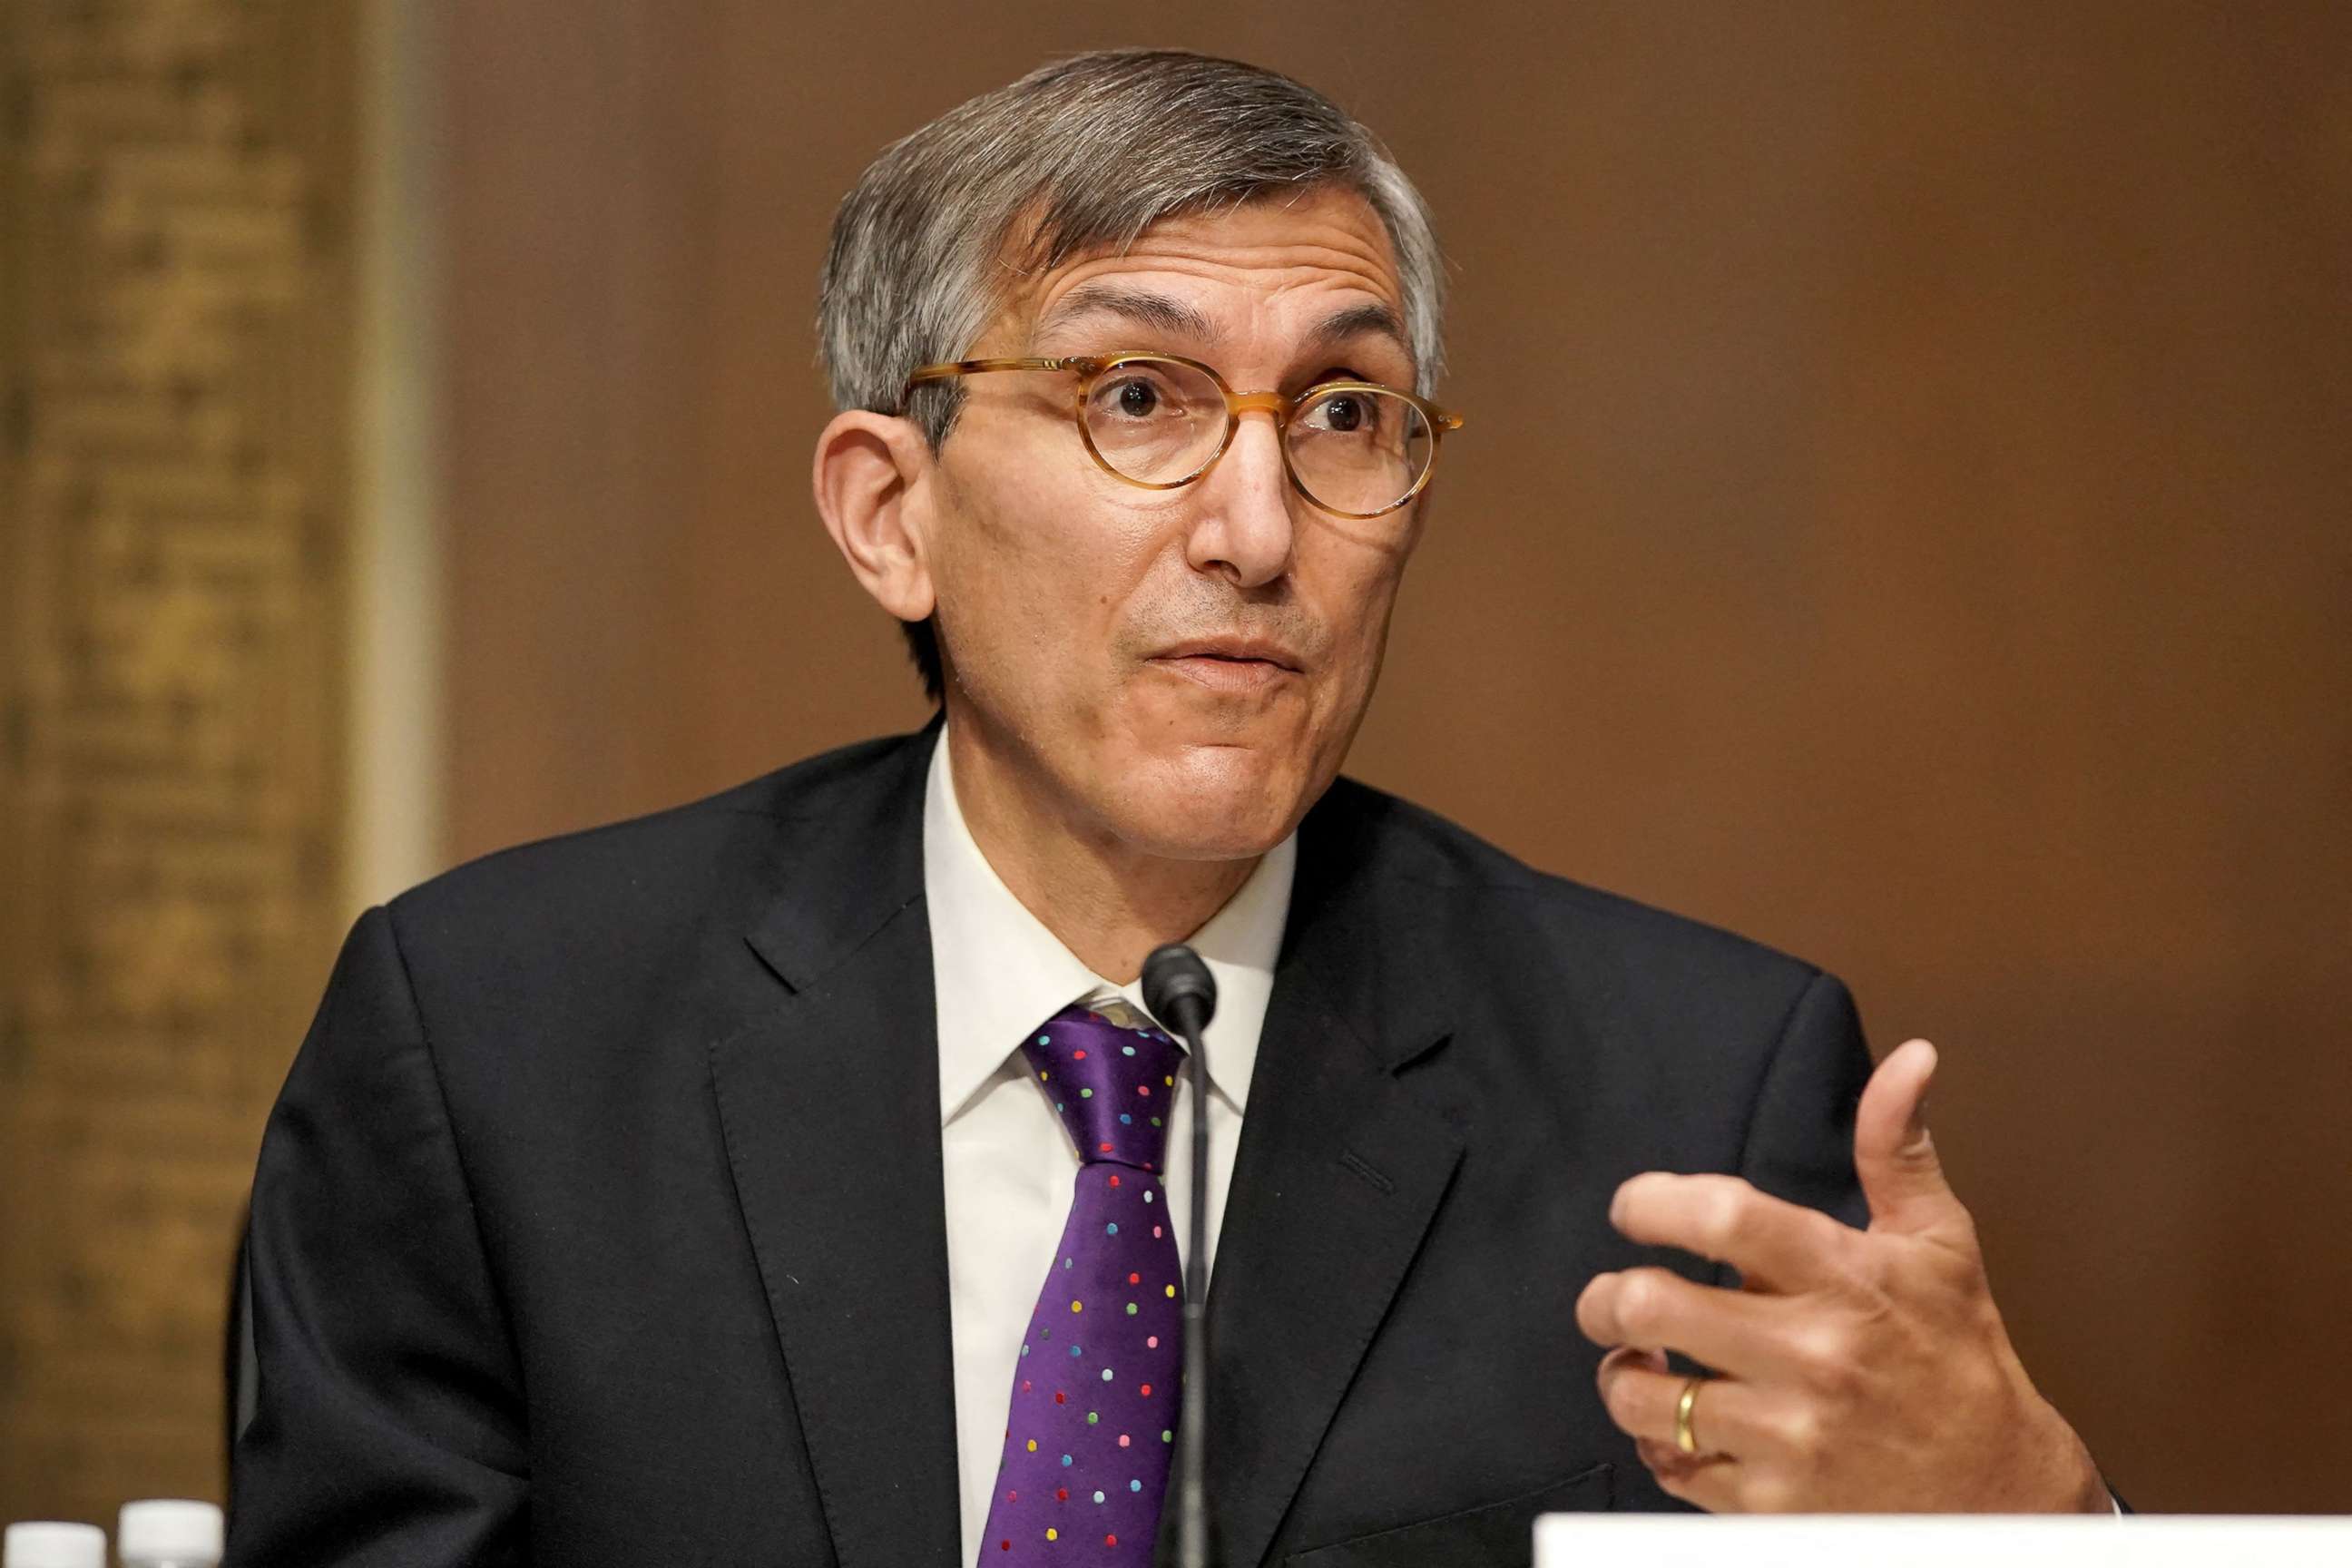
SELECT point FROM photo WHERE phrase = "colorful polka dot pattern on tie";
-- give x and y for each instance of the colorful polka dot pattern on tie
(1080, 1481)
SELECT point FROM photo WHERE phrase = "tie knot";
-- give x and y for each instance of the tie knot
(1110, 1083)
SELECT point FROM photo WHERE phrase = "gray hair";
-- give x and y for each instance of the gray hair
(1085, 154)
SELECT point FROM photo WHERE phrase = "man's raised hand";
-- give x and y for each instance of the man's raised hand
(1855, 1371)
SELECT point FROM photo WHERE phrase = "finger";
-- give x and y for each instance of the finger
(1892, 1154)
(1705, 1480)
(1654, 1360)
(1732, 1331)
(1780, 1245)
(1717, 1483)
(1642, 1400)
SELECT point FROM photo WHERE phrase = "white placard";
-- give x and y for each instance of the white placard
(2141, 1541)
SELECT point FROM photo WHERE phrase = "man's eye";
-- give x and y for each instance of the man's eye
(1343, 413)
(1132, 397)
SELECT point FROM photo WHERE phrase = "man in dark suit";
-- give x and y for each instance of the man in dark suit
(678, 1191)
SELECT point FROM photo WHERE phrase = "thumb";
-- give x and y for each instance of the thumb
(1892, 1154)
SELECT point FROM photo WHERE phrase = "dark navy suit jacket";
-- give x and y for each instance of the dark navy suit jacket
(600, 1219)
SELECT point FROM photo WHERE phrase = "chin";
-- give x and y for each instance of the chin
(1216, 802)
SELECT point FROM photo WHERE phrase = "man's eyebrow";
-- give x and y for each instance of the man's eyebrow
(1139, 306)
(1356, 320)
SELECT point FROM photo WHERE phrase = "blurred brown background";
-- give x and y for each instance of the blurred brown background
(1907, 516)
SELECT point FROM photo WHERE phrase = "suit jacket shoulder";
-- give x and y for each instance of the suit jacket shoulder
(668, 866)
(1690, 1014)
(565, 929)
(1413, 846)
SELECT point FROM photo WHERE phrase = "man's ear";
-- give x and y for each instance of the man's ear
(868, 468)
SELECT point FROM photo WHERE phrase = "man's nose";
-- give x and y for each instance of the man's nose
(1245, 525)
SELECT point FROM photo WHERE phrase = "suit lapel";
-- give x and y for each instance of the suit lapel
(829, 1108)
(1335, 1184)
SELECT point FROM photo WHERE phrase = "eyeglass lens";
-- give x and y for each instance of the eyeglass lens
(1353, 450)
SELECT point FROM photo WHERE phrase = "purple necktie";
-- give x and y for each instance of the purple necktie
(1090, 1430)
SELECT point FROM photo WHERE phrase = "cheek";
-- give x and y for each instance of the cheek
(1358, 612)
(997, 597)
(1030, 576)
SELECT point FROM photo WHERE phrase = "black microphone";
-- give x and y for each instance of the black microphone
(1182, 993)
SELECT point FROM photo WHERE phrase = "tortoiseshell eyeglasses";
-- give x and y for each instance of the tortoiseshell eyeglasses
(1356, 448)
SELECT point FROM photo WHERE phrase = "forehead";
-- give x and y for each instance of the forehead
(1310, 252)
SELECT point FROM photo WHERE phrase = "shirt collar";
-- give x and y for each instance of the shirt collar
(999, 972)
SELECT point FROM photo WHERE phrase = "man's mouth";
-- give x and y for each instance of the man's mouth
(1235, 650)
(1230, 664)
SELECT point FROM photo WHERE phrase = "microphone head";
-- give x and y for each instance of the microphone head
(1174, 979)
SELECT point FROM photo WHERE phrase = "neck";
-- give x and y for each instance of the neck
(1106, 901)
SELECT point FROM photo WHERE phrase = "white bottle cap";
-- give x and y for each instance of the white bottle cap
(170, 1530)
(44, 1544)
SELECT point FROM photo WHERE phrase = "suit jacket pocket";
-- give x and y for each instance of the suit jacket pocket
(1495, 1535)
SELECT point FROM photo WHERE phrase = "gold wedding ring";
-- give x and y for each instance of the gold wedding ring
(1684, 1439)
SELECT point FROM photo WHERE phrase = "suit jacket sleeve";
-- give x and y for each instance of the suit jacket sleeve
(1799, 1142)
(389, 1425)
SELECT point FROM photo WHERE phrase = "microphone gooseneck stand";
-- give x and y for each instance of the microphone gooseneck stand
(1180, 991)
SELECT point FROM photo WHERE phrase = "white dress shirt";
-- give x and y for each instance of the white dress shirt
(1010, 1170)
